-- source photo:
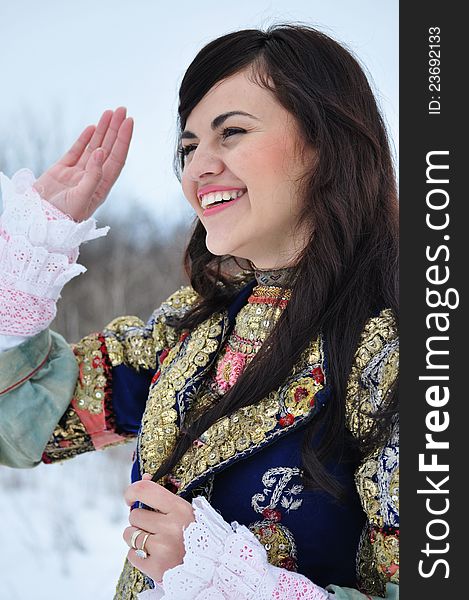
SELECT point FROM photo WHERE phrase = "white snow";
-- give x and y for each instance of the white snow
(62, 527)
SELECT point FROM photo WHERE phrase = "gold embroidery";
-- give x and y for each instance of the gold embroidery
(90, 388)
(159, 429)
(378, 560)
(249, 426)
(278, 542)
(68, 439)
(131, 582)
(368, 489)
(256, 319)
(129, 341)
(386, 549)
(300, 397)
(277, 493)
(269, 291)
(243, 430)
(370, 579)
(373, 372)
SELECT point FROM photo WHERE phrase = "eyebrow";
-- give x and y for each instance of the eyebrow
(217, 121)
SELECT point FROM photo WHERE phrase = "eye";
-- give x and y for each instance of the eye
(226, 133)
(229, 131)
(185, 150)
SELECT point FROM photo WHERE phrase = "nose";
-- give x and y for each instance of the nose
(202, 162)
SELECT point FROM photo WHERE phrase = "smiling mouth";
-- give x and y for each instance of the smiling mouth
(221, 197)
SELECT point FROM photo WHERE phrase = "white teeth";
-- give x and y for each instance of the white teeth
(208, 199)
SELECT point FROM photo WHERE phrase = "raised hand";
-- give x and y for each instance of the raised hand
(80, 181)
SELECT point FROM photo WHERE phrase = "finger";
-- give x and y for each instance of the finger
(128, 533)
(72, 156)
(115, 162)
(146, 477)
(111, 134)
(152, 566)
(152, 494)
(149, 520)
(97, 138)
(150, 547)
(89, 182)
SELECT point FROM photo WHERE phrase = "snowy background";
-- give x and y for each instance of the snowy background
(61, 65)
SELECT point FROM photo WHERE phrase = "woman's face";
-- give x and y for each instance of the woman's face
(257, 156)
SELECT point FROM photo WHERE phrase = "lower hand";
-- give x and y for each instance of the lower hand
(171, 515)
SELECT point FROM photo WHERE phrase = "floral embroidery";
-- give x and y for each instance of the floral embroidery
(278, 542)
(277, 494)
(229, 369)
(378, 559)
(183, 381)
(275, 484)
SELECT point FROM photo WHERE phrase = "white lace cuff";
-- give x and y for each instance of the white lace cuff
(38, 249)
(223, 562)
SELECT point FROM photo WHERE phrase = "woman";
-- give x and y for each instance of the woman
(262, 394)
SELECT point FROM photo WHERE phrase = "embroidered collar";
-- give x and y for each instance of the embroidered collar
(273, 277)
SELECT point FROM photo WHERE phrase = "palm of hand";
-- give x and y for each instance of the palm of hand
(80, 181)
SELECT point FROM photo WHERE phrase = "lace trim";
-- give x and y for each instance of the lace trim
(24, 315)
(38, 249)
(224, 562)
(33, 270)
(27, 215)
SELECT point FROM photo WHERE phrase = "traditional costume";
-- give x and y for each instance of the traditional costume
(144, 380)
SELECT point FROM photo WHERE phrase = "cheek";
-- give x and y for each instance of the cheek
(268, 167)
(190, 192)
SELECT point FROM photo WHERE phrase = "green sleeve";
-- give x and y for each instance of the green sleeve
(342, 593)
(37, 380)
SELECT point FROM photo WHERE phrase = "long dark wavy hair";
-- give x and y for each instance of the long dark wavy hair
(348, 270)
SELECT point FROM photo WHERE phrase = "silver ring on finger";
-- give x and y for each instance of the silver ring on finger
(141, 552)
(134, 537)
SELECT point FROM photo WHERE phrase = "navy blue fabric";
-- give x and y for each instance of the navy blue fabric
(129, 396)
(240, 301)
(325, 531)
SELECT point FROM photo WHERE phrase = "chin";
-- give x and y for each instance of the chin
(222, 247)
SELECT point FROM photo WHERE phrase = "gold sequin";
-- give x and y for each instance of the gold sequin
(129, 341)
(278, 542)
(68, 439)
(159, 429)
(373, 372)
(89, 391)
(131, 583)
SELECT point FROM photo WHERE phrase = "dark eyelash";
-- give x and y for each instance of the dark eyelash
(184, 150)
(227, 132)
(232, 130)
